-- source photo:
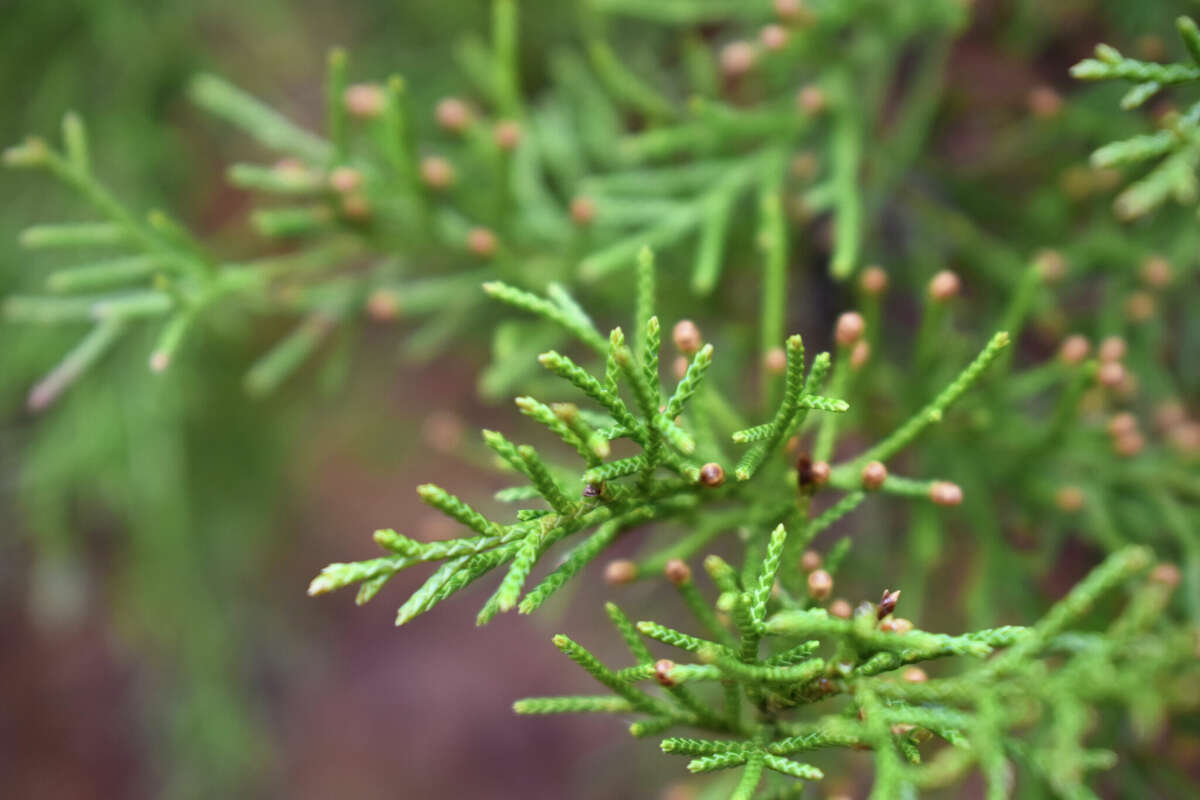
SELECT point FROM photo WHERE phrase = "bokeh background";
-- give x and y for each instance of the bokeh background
(157, 537)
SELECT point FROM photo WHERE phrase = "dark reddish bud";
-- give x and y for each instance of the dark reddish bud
(860, 354)
(737, 58)
(345, 179)
(583, 210)
(436, 172)
(662, 672)
(896, 625)
(1111, 374)
(812, 100)
(507, 135)
(804, 478)
(383, 304)
(774, 37)
(1129, 444)
(1112, 349)
(453, 114)
(620, 571)
(794, 11)
(482, 242)
(874, 280)
(1070, 498)
(1122, 424)
(944, 285)
(712, 474)
(945, 493)
(775, 360)
(1166, 574)
(887, 604)
(1074, 349)
(1156, 272)
(849, 328)
(873, 475)
(364, 100)
(678, 572)
(1051, 265)
(820, 584)
(687, 336)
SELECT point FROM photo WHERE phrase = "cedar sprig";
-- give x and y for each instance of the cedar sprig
(988, 710)
(666, 482)
(600, 502)
(360, 194)
(1175, 147)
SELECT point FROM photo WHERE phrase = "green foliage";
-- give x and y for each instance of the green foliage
(774, 171)
(1176, 147)
(1032, 689)
(672, 480)
(510, 199)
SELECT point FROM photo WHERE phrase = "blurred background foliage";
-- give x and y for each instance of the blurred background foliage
(149, 504)
(160, 529)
